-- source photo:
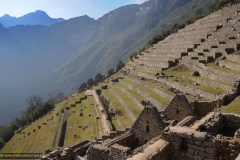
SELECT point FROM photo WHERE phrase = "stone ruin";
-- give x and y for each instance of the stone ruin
(119, 66)
(159, 136)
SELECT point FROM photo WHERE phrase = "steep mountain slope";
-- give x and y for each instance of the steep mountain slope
(78, 48)
(29, 55)
(149, 77)
(123, 31)
(34, 18)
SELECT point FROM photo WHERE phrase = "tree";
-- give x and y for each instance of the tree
(51, 97)
(60, 97)
(34, 100)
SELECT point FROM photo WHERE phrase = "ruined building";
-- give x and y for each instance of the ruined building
(159, 136)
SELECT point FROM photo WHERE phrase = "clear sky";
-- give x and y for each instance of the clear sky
(63, 8)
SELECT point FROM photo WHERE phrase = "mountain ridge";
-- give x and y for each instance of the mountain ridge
(33, 18)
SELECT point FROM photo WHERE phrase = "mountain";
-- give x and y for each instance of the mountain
(123, 31)
(29, 55)
(77, 49)
(34, 18)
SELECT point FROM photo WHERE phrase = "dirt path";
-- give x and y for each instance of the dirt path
(150, 150)
(106, 129)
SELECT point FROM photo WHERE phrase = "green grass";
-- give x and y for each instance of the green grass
(235, 62)
(146, 72)
(223, 69)
(187, 74)
(74, 121)
(122, 115)
(233, 107)
(203, 87)
(130, 103)
(155, 85)
(132, 92)
(39, 141)
(150, 92)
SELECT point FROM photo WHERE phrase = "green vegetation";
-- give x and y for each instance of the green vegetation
(120, 110)
(150, 92)
(130, 103)
(233, 107)
(211, 65)
(203, 87)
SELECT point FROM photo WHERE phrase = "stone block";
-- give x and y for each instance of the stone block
(198, 158)
(208, 143)
(206, 155)
(191, 151)
(199, 137)
(194, 147)
(198, 143)
(209, 150)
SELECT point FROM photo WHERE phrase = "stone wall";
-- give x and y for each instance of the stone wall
(178, 109)
(145, 95)
(184, 89)
(227, 148)
(131, 115)
(148, 125)
(81, 150)
(130, 96)
(231, 121)
(226, 64)
(119, 152)
(186, 143)
(201, 109)
(234, 58)
(212, 73)
(163, 64)
(160, 93)
(206, 82)
(98, 152)
(111, 105)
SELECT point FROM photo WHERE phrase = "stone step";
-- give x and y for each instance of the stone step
(159, 92)
(146, 95)
(184, 89)
(167, 45)
(229, 64)
(162, 64)
(128, 111)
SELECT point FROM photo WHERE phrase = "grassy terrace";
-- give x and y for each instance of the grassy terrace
(87, 133)
(146, 72)
(154, 84)
(211, 65)
(186, 72)
(120, 110)
(132, 92)
(74, 121)
(203, 87)
(130, 103)
(150, 92)
(44, 136)
(97, 114)
(235, 62)
(233, 107)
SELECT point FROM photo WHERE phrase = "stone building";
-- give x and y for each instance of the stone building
(148, 125)
(98, 77)
(119, 66)
(161, 136)
(110, 72)
(90, 82)
(178, 109)
(82, 87)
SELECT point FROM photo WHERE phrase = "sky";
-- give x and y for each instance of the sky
(63, 8)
